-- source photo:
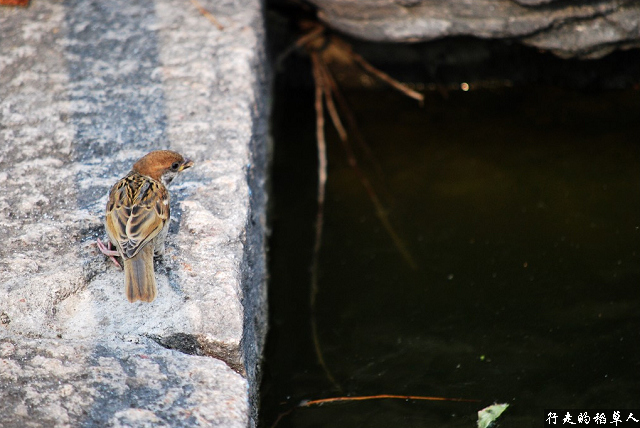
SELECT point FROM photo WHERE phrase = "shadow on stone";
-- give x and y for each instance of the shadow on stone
(193, 345)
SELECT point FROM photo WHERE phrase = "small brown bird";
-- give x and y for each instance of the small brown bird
(137, 219)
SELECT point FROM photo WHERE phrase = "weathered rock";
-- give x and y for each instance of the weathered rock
(86, 88)
(67, 383)
(587, 29)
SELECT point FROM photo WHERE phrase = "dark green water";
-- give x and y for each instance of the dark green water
(521, 207)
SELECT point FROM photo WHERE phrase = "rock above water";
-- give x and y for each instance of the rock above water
(583, 29)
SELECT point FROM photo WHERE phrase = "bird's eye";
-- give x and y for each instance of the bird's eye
(175, 166)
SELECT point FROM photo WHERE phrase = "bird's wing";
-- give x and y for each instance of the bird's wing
(137, 210)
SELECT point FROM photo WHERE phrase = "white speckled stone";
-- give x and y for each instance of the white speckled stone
(86, 88)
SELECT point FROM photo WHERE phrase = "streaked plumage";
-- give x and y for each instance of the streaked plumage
(137, 218)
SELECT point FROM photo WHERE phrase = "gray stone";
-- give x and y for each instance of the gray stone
(68, 383)
(86, 88)
(587, 29)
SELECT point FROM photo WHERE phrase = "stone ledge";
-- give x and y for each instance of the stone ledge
(66, 383)
(86, 88)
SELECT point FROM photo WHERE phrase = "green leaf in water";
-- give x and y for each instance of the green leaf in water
(489, 414)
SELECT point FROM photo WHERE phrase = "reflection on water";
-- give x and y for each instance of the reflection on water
(522, 208)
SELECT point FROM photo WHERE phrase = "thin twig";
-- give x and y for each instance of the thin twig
(328, 96)
(282, 415)
(320, 402)
(310, 36)
(380, 397)
(322, 180)
(300, 42)
(207, 14)
(385, 77)
(324, 90)
(381, 212)
(351, 120)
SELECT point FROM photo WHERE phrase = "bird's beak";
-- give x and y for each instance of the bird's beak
(188, 163)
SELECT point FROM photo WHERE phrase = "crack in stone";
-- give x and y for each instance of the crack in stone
(195, 345)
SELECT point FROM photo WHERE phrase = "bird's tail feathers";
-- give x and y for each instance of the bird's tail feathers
(139, 280)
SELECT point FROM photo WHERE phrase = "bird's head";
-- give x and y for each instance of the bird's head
(162, 165)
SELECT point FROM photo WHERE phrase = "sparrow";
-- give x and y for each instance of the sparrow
(137, 219)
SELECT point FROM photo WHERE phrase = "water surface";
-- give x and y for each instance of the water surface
(521, 207)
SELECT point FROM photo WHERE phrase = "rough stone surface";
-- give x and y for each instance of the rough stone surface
(68, 383)
(586, 29)
(86, 88)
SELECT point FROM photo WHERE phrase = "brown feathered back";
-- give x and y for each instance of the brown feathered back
(137, 211)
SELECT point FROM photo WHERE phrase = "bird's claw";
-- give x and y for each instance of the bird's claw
(107, 251)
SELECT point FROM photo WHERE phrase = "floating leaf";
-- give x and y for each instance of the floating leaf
(489, 414)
